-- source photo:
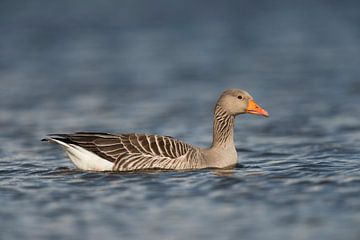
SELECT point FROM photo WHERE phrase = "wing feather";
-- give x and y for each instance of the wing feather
(134, 151)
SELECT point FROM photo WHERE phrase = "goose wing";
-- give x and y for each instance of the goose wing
(134, 151)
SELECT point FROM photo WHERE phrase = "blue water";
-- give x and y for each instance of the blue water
(158, 67)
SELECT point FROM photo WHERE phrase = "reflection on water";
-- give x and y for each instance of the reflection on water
(158, 68)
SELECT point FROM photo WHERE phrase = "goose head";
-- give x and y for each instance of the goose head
(237, 101)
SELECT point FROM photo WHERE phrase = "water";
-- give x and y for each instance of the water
(158, 68)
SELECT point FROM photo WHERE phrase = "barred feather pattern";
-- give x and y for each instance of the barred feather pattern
(138, 151)
(223, 126)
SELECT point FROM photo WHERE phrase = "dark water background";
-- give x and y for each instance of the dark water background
(158, 67)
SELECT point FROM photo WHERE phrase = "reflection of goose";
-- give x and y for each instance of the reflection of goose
(126, 152)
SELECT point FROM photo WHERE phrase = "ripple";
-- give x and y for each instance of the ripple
(156, 68)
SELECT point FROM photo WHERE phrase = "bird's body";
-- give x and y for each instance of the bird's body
(128, 152)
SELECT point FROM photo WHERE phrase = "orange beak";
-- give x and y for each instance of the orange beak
(254, 108)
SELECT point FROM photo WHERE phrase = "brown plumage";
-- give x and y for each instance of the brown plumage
(125, 152)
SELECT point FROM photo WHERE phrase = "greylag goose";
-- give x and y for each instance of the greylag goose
(127, 152)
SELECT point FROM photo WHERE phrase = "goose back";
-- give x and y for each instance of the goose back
(136, 151)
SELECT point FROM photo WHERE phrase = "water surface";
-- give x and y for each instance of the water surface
(158, 68)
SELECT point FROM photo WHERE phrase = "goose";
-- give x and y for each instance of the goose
(96, 151)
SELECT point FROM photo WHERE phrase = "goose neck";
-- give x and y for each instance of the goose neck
(223, 128)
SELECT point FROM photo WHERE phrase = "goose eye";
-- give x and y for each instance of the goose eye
(240, 97)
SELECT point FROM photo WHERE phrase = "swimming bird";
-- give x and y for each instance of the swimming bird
(95, 151)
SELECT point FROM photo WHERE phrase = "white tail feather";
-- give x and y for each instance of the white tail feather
(84, 159)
